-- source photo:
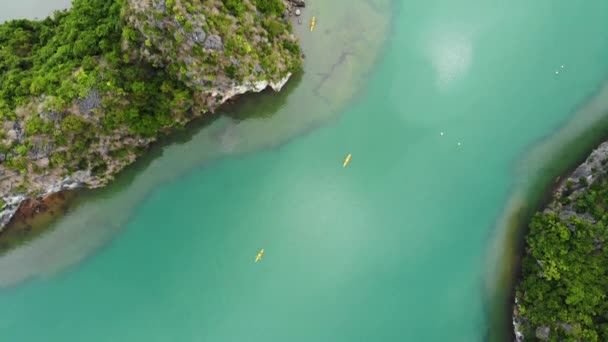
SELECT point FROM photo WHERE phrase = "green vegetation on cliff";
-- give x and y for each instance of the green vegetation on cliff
(83, 89)
(67, 57)
(565, 269)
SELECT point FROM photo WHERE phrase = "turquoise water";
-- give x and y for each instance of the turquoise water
(395, 247)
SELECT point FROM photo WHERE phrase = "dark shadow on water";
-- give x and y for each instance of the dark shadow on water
(248, 106)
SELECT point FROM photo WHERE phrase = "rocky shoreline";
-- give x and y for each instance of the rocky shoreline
(563, 204)
(21, 191)
(33, 218)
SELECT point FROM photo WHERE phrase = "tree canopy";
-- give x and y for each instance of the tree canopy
(565, 272)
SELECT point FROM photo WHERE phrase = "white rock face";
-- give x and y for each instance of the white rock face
(519, 336)
(255, 87)
(11, 204)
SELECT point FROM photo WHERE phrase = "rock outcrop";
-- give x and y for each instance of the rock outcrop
(216, 55)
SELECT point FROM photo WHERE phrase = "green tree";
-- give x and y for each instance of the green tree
(72, 124)
(270, 7)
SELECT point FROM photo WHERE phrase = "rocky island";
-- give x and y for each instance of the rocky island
(562, 292)
(84, 92)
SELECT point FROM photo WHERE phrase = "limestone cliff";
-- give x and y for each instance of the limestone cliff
(157, 64)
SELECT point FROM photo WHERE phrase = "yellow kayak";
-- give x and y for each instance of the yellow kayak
(259, 256)
(346, 161)
(312, 24)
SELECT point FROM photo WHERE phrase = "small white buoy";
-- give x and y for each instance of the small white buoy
(562, 66)
(459, 143)
(557, 72)
(441, 133)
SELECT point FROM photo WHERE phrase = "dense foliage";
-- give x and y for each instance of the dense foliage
(565, 272)
(275, 7)
(37, 57)
(60, 58)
